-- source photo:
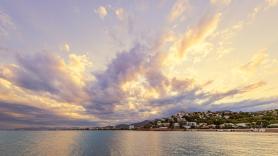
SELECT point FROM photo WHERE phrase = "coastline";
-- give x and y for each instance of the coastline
(263, 130)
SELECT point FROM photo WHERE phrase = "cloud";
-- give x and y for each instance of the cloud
(67, 78)
(272, 3)
(123, 34)
(221, 41)
(15, 115)
(101, 11)
(120, 13)
(134, 83)
(150, 91)
(226, 35)
(256, 61)
(55, 85)
(133, 87)
(214, 97)
(6, 24)
(267, 4)
(224, 2)
(7, 53)
(178, 9)
(107, 92)
(65, 47)
(249, 104)
(198, 99)
(198, 33)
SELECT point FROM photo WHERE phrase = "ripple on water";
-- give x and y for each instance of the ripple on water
(49, 143)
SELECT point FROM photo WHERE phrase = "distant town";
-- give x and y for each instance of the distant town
(220, 120)
(256, 121)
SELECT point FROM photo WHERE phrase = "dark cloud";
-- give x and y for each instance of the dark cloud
(197, 99)
(157, 80)
(106, 91)
(44, 72)
(230, 93)
(190, 95)
(254, 104)
(22, 114)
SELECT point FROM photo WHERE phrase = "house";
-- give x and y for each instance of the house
(176, 125)
(158, 123)
(227, 125)
(202, 124)
(166, 124)
(222, 126)
(190, 125)
(212, 126)
(226, 116)
(131, 127)
(243, 125)
(273, 125)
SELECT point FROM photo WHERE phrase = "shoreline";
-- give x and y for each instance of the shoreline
(262, 130)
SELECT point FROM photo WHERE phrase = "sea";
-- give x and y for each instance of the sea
(137, 143)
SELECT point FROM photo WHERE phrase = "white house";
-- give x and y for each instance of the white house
(242, 125)
(273, 125)
(131, 127)
(176, 125)
(158, 123)
(190, 125)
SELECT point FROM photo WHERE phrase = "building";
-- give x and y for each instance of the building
(273, 125)
(158, 123)
(190, 125)
(166, 124)
(131, 127)
(176, 125)
(212, 126)
(227, 125)
(203, 125)
(243, 125)
(226, 116)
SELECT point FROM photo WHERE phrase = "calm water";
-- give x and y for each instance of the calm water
(60, 143)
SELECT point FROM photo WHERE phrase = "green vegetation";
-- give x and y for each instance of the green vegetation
(221, 119)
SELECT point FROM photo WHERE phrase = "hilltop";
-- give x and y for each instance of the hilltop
(209, 120)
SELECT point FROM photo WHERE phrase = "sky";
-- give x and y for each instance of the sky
(94, 63)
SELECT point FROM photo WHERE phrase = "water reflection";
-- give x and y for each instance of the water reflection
(139, 143)
(129, 143)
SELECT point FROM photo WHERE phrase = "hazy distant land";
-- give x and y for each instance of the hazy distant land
(227, 121)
